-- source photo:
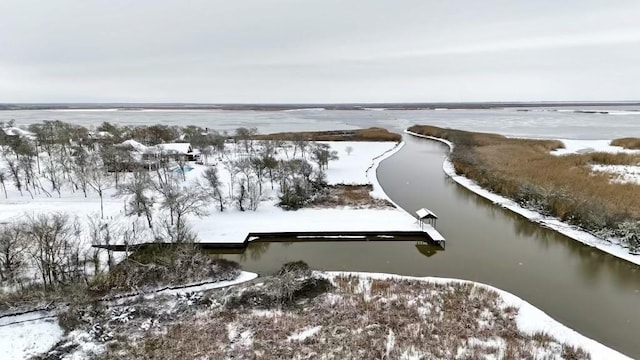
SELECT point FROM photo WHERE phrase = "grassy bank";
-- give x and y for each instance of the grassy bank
(562, 186)
(627, 143)
(370, 134)
(296, 314)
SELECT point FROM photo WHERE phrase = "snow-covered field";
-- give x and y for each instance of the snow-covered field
(357, 168)
(24, 336)
(623, 174)
(573, 146)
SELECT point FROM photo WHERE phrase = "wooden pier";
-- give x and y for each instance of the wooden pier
(427, 220)
(427, 235)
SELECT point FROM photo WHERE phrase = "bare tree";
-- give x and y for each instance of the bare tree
(99, 180)
(96, 232)
(13, 247)
(254, 187)
(140, 203)
(180, 202)
(14, 171)
(245, 135)
(3, 179)
(116, 160)
(299, 181)
(322, 154)
(30, 179)
(348, 150)
(181, 161)
(213, 185)
(52, 172)
(80, 168)
(241, 194)
(250, 185)
(299, 143)
(50, 236)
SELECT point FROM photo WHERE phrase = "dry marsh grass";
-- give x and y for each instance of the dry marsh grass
(157, 266)
(627, 143)
(369, 134)
(562, 186)
(354, 196)
(358, 319)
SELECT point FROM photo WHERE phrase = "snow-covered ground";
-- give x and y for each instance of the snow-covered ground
(26, 335)
(572, 146)
(23, 336)
(530, 319)
(623, 174)
(357, 168)
(576, 146)
(232, 225)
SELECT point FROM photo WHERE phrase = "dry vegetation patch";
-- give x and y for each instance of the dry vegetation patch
(369, 134)
(146, 270)
(627, 143)
(355, 196)
(159, 265)
(561, 186)
(352, 318)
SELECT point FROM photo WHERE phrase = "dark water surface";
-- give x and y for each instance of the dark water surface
(582, 287)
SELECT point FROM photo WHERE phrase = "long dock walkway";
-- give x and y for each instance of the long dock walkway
(427, 234)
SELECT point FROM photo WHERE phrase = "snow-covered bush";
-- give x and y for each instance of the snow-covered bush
(629, 234)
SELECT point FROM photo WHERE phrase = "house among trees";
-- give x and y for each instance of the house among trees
(172, 151)
(141, 156)
(12, 135)
(6, 138)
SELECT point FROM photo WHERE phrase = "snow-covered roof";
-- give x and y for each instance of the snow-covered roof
(183, 148)
(425, 213)
(100, 134)
(15, 131)
(135, 145)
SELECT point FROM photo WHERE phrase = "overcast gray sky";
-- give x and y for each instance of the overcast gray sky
(318, 51)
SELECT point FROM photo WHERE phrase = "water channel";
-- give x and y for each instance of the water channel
(582, 287)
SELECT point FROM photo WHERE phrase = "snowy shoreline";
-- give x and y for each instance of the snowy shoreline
(530, 319)
(552, 223)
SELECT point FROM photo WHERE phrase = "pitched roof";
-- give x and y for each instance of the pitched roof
(135, 145)
(425, 213)
(183, 148)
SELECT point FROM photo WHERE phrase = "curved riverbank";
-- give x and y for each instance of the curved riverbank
(372, 175)
(553, 223)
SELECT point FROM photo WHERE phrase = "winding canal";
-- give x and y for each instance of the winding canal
(582, 287)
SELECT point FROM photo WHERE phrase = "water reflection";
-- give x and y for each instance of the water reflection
(583, 287)
(327, 254)
(427, 250)
(255, 251)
